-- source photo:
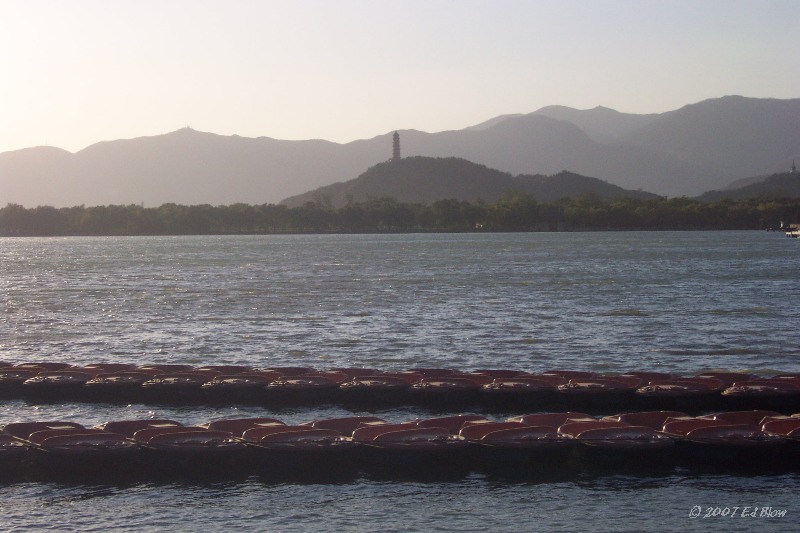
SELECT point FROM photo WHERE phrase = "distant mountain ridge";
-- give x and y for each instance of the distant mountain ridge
(784, 185)
(697, 148)
(423, 180)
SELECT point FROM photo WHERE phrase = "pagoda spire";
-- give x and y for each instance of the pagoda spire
(396, 147)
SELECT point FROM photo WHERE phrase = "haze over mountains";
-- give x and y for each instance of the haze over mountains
(697, 148)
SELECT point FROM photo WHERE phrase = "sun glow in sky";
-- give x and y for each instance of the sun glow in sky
(78, 72)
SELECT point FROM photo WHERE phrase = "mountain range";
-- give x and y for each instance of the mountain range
(685, 152)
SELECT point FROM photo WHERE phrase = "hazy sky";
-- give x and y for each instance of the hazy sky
(77, 72)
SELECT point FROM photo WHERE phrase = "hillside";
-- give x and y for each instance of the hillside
(786, 185)
(601, 123)
(423, 180)
(697, 148)
(736, 136)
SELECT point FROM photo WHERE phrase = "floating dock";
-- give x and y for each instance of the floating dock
(482, 390)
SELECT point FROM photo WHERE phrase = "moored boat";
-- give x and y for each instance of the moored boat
(347, 425)
(300, 449)
(237, 426)
(177, 387)
(752, 417)
(522, 392)
(305, 389)
(600, 394)
(608, 440)
(781, 393)
(118, 386)
(245, 388)
(788, 428)
(53, 385)
(709, 441)
(454, 390)
(652, 419)
(551, 419)
(13, 456)
(380, 390)
(404, 446)
(169, 446)
(69, 447)
(515, 444)
(453, 424)
(11, 380)
(681, 394)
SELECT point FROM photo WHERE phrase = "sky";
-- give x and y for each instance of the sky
(73, 73)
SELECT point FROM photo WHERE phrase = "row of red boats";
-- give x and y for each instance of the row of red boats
(537, 441)
(369, 388)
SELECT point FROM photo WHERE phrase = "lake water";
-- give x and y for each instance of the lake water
(679, 302)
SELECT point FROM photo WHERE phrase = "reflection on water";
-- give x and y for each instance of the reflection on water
(675, 302)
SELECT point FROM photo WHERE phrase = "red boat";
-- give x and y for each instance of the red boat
(354, 372)
(118, 386)
(647, 377)
(551, 419)
(40, 366)
(380, 390)
(170, 447)
(167, 368)
(177, 387)
(652, 419)
(450, 390)
(788, 428)
(129, 427)
(225, 369)
(718, 441)
(779, 393)
(753, 417)
(453, 424)
(681, 394)
(347, 425)
(289, 371)
(237, 426)
(247, 388)
(71, 447)
(409, 447)
(59, 384)
(571, 374)
(727, 378)
(522, 392)
(12, 378)
(186, 441)
(13, 455)
(599, 394)
(298, 442)
(99, 368)
(515, 444)
(434, 373)
(306, 389)
(609, 440)
(499, 373)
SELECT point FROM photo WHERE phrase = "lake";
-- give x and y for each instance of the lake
(678, 302)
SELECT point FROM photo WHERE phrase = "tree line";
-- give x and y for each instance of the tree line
(515, 212)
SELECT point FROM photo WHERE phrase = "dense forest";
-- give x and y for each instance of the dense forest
(512, 213)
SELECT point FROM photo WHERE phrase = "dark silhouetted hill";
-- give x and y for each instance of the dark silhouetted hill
(786, 185)
(424, 180)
